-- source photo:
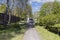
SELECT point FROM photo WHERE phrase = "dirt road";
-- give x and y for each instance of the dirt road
(31, 34)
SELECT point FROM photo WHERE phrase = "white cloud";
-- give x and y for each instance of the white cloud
(34, 1)
(41, 0)
(44, 0)
(58, 0)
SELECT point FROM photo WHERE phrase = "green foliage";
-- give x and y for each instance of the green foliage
(50, 16)
(2, 8)
(23, 12)
(17, 26)
(49, 13)
(49, 20)
(29, 10)
(50, 8)
(2, 27)
(23, 15)
(57, 26)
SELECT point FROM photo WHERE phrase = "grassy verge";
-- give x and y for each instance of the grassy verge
(19, 36)
(14, 35)
(14, 32)
(46, 35)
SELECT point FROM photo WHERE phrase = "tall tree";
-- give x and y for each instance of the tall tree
(18, 7)
(7, 12)
(50, 8)
(23, 8)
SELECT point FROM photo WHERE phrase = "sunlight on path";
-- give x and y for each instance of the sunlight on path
(31, 34)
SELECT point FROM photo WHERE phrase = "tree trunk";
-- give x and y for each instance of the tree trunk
(8, 12)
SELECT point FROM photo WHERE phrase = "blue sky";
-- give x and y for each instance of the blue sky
(2, 1)
(36, 4)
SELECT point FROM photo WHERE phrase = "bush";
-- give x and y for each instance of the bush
(2, 27)
(57, 26)
(49, 20)
(18, 26)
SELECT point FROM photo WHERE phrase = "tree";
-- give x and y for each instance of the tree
(23, 8)
(50, 8)
(29, 10)
(7, 12)
(18, 8)
(49, 14)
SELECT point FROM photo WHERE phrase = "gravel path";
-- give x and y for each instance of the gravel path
(31, 34)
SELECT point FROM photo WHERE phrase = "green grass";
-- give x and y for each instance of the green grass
(14, 32)
(12, 35)
(19, 36)
(46, 35)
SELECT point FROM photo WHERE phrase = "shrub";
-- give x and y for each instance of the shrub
(49, 20)
(57, 26)
(2, 27)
